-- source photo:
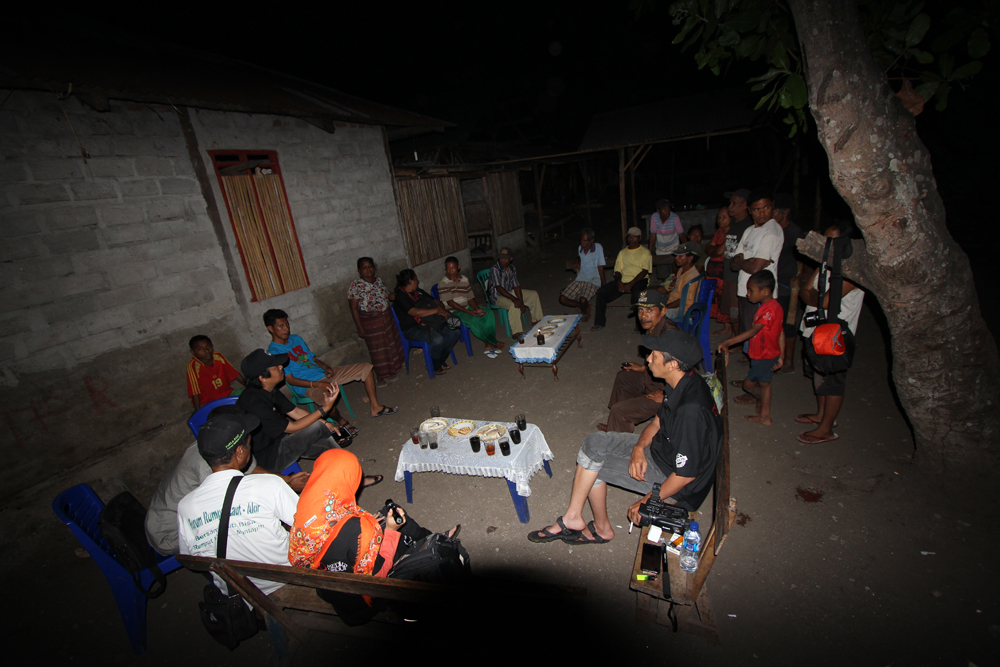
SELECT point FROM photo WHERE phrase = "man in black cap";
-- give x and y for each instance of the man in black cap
(504, 291)
(260, 505)
(678, 449)
(287, 433)
(636, 394)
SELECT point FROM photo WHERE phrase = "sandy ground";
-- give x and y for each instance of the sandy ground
(892, 566)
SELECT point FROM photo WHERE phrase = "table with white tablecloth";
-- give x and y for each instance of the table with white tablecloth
(529, 352)
(454, 455)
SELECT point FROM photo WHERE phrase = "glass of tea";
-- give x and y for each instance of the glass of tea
(490, 448)
(476, 444)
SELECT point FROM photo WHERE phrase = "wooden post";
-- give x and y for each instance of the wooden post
(621, 190)
(539, 179)
(635, 219)
(586, 192)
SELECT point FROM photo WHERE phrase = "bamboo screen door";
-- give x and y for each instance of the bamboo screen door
(262, 221)
(432, 217)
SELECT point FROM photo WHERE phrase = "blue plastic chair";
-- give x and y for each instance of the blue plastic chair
(684, 296)
(696, 324)
(483, 278)
(426, 347)
(466, 335)
(80, 509)
(199, 417)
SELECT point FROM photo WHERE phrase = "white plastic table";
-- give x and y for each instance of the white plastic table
(454, 455)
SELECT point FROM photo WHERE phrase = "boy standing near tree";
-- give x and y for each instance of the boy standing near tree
(766, 349)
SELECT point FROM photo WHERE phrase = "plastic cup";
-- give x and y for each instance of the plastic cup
(415, 436)
(521, 422)
(490, 449)
(432, 440)
(475, 443)
(505, 448)
(515, 435)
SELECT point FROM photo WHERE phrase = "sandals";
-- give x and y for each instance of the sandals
(745, 399)
(566, 534)
(807, 419)
(386, 410)
(813, 440)
(351, 429)
(492, 354)
(583, 538)
(378, 480)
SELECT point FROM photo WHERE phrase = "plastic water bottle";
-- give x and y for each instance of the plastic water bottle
(690, 548)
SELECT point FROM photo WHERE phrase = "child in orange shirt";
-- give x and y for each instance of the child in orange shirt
(767, 346)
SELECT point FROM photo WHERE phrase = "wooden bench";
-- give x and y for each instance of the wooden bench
(680, 599)
(295, 609)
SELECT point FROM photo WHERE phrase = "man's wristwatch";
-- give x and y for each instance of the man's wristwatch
(323, 413)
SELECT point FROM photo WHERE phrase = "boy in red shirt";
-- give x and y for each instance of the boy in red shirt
(766, 349)
(209, 374)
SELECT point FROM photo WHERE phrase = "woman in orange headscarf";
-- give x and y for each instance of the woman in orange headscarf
(330, 531)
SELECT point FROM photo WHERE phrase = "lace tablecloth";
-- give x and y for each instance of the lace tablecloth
(529, 351)
(454, 455)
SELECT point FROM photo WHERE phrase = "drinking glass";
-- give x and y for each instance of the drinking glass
(415, 435)
(435, 411)
(515, 435)
(505, 448)
(474, 441)
(432, 440)
(490, 448)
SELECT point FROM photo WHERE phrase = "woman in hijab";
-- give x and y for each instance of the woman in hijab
(332, 533)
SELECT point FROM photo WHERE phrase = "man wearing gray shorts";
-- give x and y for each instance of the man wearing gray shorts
(678, 449)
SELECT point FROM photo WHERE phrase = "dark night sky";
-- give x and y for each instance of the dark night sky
(556, 62)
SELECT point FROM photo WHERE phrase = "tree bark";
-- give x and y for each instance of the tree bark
(945, 364)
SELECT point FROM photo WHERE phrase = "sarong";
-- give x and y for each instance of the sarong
(384, 346)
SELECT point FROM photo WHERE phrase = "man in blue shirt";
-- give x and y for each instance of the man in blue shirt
(589, 269)
(305, 372)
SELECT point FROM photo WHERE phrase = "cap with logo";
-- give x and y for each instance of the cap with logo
(220, 435)
(506, 252)
(257, 362)
(689, 248)
(651, 298)
(679, 345)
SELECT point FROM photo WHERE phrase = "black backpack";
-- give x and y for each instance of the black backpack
(122, 524)
(435, 559)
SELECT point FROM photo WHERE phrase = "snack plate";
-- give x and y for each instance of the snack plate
(557, 320)
(462, 428)
(434, 425)
(546, 330)
(491, 432)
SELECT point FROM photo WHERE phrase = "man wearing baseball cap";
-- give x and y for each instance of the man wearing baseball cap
(678, 449)
(287, 433)
(260, 505)
(685, 257)
(632, 267)
(636, 394)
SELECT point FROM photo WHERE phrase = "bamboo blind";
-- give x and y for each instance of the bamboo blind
(265, 234)
(503, 194)
(432, 218)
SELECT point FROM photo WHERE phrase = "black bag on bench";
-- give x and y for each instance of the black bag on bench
(227, 618)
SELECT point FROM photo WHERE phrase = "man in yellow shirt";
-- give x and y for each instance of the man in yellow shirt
(634, 263)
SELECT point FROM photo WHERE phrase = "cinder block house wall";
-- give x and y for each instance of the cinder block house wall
(108, 265)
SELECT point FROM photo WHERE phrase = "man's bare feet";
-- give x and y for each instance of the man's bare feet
(500, 345)
(757, 419)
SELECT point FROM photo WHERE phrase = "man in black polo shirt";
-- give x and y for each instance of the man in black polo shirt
(287, 433)
(678, 449)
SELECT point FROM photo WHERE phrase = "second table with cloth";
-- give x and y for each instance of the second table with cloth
(560, 332)
(454, 455)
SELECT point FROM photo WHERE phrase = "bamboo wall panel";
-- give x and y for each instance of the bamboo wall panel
(503, 194)
(265, 234)
(433, 222)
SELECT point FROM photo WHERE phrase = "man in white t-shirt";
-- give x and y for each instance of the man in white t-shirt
(261, 505)
(829, 389)
(758, 250)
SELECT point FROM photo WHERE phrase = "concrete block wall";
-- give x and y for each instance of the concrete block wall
(340, 194)
(108, 264)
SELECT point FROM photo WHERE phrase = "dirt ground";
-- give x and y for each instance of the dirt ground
(884, 565)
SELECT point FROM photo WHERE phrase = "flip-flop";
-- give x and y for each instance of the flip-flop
(492, 354)
(745, 399)
(737, 383)
(804, 419)
(542, 536)
(582, 539)
(351, 429)
(378, 480)
(386, 410)
(813, 440)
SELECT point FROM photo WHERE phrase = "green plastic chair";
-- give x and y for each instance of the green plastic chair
(303, 401)
(483, 277)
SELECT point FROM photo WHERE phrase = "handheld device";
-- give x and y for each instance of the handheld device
(652, 558)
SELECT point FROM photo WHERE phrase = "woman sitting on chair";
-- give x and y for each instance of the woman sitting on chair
(332, 533)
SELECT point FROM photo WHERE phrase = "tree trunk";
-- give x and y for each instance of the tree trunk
(945, 363)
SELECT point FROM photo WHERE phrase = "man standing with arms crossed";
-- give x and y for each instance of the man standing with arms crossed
(758, 250)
